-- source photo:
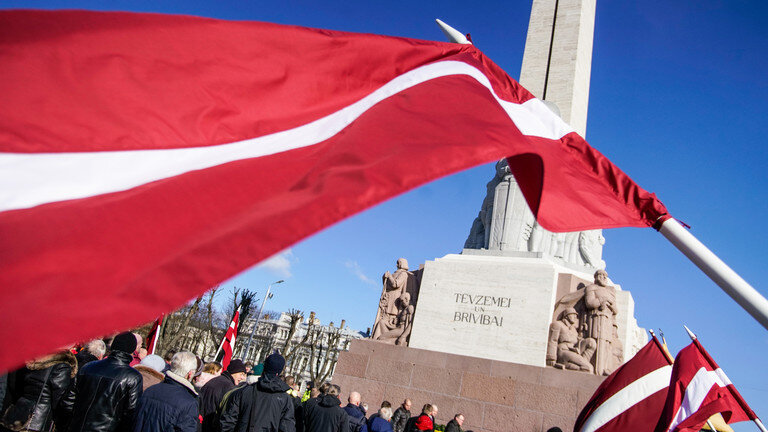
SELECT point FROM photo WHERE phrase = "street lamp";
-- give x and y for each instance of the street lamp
(258, 316)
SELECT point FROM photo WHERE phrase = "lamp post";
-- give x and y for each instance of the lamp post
(258, 316)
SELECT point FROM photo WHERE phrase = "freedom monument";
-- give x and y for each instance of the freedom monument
(521, 326)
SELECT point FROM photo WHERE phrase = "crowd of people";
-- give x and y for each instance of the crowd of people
(125, 389)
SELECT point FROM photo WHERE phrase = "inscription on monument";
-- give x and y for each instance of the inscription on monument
(479, 314)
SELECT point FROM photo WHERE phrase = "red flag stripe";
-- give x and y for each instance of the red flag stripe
(83, 174)
(724, 378)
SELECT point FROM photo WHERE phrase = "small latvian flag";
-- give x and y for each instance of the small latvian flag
(224, 355)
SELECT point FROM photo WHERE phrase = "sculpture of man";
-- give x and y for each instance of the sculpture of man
(600, 300)
(565, 348)
(395, 311)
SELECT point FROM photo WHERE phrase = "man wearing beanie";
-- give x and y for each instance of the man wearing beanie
(214, 390)
(106, 392)
(262, 406)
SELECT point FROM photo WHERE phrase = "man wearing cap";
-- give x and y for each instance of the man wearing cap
(262, 406)
(107, 391)
(214, 390)
(172, 404)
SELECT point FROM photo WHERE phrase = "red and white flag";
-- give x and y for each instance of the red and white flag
(145, 158)
(227, 347)
(154, 335)
(632, 397)
(698, 390)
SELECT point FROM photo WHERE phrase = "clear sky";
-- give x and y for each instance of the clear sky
(678, 100)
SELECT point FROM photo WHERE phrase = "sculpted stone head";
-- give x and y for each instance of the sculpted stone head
(571, 315)
(402, 263)
(601, 278)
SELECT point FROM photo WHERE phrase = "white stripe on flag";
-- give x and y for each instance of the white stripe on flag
(627, 397)
(696, 392)
(30, 179)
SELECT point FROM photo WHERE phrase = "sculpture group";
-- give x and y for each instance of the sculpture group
(584, 335)
(396, 306)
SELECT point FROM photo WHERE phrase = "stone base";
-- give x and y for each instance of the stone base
(494, 396)
(498, 305)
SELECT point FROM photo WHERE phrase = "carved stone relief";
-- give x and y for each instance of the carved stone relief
(584, 335)
(394, 317)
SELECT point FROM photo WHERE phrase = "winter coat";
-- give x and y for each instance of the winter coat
(35, 391)
(399, 419)
(424, 423)
(168, 406)
(453, 426)
(380, 425)
(356, 418)
(105, 395)
(325, 415)
(210, 397)
(259, 407)
(149, 376)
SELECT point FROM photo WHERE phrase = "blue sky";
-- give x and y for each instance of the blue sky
(678, 100)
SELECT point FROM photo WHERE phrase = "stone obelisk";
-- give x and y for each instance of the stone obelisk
(556, 68)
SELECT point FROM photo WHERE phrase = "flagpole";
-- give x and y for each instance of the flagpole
(756, 419)
(736, 287)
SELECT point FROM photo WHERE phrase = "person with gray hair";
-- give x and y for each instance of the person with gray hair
(455, 424)
(326, 414)
(92, 351)
(172, 404)
(381, 422)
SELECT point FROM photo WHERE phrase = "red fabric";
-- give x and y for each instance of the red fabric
(75, 81)
(153, 335)
(642, 416)
(715, 395)
(228, 343)
(424, 422)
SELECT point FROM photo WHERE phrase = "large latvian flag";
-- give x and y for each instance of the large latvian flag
(632, 397)
(699, 389)
(145, 158)
(227, 347)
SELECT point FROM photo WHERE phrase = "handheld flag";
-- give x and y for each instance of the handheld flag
(154, 335)
(227, 347)
(699, 389)
(142, 150)
(632, 397)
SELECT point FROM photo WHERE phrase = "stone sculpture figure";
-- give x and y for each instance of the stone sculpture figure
(600, 300)
(396, 306)
(566, 349)
(479, 234)
(594, 327)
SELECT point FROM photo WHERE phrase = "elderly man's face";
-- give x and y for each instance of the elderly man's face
(460, 420)
(238, 377)
(407, 405)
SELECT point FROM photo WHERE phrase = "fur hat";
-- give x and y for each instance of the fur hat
(125, 342)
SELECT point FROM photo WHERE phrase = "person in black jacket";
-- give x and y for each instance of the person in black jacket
(172, 404)
(357, 421)
(455, 424)
(214, 390)
(93, 351)
(107, 391)
(326, 415)
(262, 406)
(401, 416)
(35, 391)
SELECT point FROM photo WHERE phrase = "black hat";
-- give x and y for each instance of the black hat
(274, 364)
(236, 366)
(125, 342)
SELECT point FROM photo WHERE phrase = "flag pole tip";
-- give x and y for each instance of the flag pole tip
(690, 333)
(651, 332)
(452, 34)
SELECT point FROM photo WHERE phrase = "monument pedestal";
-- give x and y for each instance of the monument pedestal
(498, 305)
(494, 396)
